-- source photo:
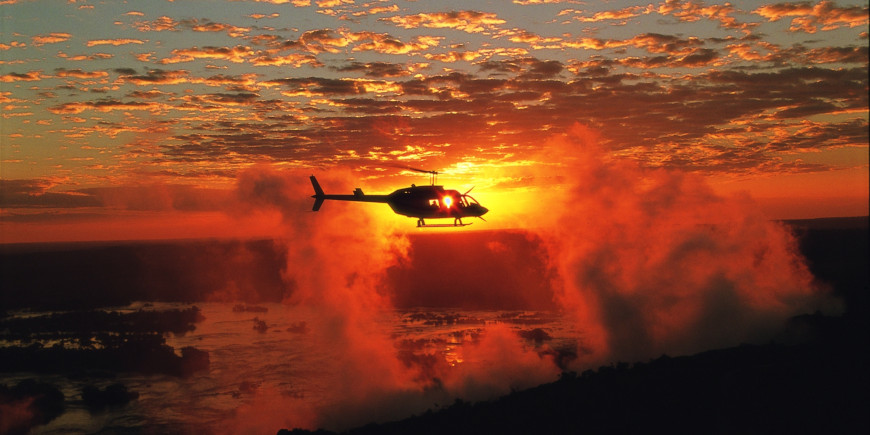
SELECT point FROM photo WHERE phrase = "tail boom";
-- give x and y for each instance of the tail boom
(358, 196)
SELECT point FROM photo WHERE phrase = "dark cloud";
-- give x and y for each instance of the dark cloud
(649, 114)
(34, 194)
(125, 71)
(375, 69)
(152, 77)
(319, 85)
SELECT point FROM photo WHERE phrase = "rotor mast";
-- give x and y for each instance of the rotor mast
(433, 175)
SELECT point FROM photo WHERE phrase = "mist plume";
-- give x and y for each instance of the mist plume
(335, 262)
(652, 261)
(644, 261)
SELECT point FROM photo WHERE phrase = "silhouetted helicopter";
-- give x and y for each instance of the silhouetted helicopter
(421, 202)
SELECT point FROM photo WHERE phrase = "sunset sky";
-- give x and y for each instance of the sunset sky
(126, 120)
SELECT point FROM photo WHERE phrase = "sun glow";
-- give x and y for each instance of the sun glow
(448, 201)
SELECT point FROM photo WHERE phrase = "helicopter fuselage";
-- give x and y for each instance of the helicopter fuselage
(421, 202)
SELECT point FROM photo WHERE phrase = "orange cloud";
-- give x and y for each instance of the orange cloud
(384, 43)
(620, 14)
(466, 21)
(454, 56)
(317, 41)
(51, 38)
(13, 44)
(18, 77)
(118, 41)
(85, 57)
(651, 42)
(543, 2)
(209, 26)
(244, 81)
(79, 74)
(157, 77)
(535, 40)
(237, 54)
(810, 18)
(105, 106)
(332, 3)
(377, 10)
(691, 11)
(161, 24)
(297, 3)
(295, 59)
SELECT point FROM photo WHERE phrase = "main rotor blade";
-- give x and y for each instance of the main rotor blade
(419, 170)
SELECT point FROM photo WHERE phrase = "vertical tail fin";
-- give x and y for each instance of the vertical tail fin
(317, 190)
(318, 194)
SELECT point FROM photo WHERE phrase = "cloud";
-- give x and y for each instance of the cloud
(85, 57)
(22, 77)
(706, 108)
(161, 24)
(525, 68)
(342, 285)
(809, 18)
(106, 105)
(154, 77)
(318, 41)
(161, 197)
(237, 54)
(651, 261)
(466, 21)
(210, 26)
(384, 43)
(375, 10)
(295, 59)
(297, 3)
(34, 194)
(542, 2)
(376, 69)
(79, 74)
(623, 14)
(11, 45)
(644, 262)
(691, 11)
(319, 86)
(51, 38)
(117, 41)
(42, 193)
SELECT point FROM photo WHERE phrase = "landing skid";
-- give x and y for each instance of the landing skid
(444, 225)
(456, 223)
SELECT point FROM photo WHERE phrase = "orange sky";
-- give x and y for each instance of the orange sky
(124, 121)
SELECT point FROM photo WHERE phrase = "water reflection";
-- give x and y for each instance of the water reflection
(279, 350)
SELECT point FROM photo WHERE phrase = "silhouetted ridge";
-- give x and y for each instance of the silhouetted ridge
(819, 386)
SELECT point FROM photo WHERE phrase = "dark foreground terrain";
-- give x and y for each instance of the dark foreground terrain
(812, 378)
(819, 386)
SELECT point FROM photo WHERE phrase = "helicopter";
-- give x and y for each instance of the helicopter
(421, 202)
